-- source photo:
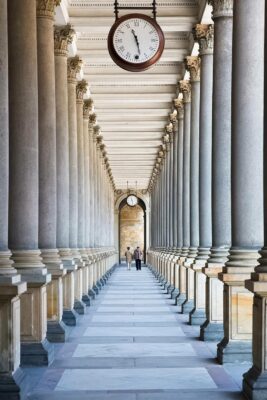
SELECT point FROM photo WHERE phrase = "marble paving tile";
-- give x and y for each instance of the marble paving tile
(136, 379)
(134, 331)
(133, 318)
(134, 350)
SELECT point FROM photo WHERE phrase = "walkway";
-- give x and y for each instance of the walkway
(134, 345)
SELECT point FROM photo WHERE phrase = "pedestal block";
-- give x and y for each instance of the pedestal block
(212, 328)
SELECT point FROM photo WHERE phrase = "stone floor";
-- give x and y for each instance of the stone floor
(133, 344)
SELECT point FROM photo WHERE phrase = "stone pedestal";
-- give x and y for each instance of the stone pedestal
(212, 328)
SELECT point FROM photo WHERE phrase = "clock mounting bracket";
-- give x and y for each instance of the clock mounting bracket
(153, 7)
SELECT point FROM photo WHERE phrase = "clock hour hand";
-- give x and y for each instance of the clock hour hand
(136, 40)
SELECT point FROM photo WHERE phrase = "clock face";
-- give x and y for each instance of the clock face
(132, 200)
(136, 42)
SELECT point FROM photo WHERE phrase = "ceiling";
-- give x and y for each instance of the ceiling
(132, 108)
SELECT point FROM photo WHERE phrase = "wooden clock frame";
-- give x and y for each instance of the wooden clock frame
(135, 67)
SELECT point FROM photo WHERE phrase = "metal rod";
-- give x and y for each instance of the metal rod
(153, 8)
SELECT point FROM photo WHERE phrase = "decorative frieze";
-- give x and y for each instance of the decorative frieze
(185, 88)
(63, 36)
(81, 89)
(46, 8)
(74, 67)
(192, 64)
(204, 35)
(222, 8)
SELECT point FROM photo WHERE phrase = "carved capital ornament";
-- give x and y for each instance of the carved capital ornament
(87, 108)
(178, 103)
(204, 35)
(192, 64)
(63, 36)
(92, 119)
(222, 8)
(81, 89)
(185, 88)
(46, 8)
(74, 67)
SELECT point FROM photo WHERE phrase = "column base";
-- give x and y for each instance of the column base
(237, 351)
(211, 331)
(197, 317)
(69, 317)
(255, 384)
(79, 307)
(55, 332)
(86, 300)
(187, 306)
(9, 390)
(175, 293)
(180, 299)
(96, 289)
(92, 293)
(37, 354)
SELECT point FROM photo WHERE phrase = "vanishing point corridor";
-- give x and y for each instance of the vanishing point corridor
(133, 344)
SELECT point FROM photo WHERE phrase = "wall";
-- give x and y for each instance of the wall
(131, 228)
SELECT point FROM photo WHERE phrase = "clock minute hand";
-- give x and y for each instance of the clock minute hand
(136, 40)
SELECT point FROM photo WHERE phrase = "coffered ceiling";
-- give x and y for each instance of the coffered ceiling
(132, 108)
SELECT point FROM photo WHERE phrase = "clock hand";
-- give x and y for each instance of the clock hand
(136, 40)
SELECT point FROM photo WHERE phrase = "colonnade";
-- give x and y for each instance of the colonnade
(207, 253)
(56, 190)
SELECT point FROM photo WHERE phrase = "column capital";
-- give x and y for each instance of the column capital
(185, 88)
(221, 8)
(97, 132)
(92, 119)
(63, 36)
(173, 116)
(204, 35)
(178, 104)
(192, 64)
(87, 108)
(74, 66)
(46, 8)
(81, 89)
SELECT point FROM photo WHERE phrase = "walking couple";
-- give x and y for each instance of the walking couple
(137, 256)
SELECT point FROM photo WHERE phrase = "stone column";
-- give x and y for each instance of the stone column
(247, 179)
(193, 66)
(81, 89)
(180, 145)
(74, 66)
(185, 88)
(23, 184)
(11, 286)
(255, 380)
(63, 36)
(178, 182)
(87, 108)
(212, 329)
(169, 129)
(47, 168)
(174, 183)
(204, 35)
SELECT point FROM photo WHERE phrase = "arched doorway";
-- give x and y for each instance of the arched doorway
(132, 227)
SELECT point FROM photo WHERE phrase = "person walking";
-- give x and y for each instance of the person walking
(129, 258)
(138, 257)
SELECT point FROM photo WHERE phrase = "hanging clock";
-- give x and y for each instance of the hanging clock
(135, 42)
(132, 200)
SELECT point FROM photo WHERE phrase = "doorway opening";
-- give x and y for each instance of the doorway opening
(132, 228)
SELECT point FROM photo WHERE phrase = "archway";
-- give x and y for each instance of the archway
(132, 227)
